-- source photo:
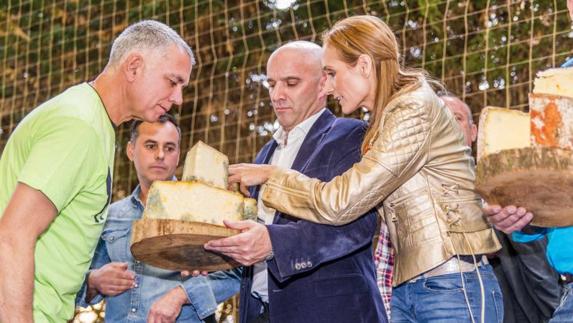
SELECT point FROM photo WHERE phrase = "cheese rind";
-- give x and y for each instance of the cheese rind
(555, 81)
(206, 164)
(250, 209)
(551, 121)
(501, 129)
(193, 201)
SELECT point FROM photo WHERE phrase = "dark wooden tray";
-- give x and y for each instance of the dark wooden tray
(539, 179)
(178, 245)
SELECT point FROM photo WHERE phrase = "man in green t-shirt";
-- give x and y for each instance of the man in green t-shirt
(56, 168)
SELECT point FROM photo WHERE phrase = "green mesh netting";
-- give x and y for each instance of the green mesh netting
(485, 51)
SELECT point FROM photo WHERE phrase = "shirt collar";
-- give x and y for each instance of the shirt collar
(300, 131)
(137, 192)
(135, 196)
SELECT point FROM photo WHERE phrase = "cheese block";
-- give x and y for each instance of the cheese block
(551, 120)
(194, 201)
(501, 129)
(206, 164)
(555, 81)
(180, 217)
(250, 209)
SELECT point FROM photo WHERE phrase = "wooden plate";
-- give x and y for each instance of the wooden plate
(178, 245)
(539, 179)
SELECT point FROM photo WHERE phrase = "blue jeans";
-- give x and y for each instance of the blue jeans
(564, 313)
(441, 299)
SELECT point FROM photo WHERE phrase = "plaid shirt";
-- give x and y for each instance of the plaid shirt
(384, 260)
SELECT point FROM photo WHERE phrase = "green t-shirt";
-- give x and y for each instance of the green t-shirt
(65, 149)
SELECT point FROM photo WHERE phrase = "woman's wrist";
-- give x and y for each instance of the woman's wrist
(271, 170)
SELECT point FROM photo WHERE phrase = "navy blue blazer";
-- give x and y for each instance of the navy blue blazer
(321, 273)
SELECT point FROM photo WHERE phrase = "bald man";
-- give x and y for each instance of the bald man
(463, 116)
(306, 272)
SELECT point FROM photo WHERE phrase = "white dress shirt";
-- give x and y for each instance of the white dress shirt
(284, 155)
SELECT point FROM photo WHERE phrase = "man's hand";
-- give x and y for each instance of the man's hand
(509, 218)
(250, 246)
(249, 175)
(110, 280)
(167, 308)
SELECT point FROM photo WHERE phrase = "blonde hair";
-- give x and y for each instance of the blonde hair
(354, 36)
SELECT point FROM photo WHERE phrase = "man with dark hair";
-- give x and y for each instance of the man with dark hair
(134, 127)
(56, 168)
(136, 292)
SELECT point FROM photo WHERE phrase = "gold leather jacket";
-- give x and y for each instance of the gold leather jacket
(420, 176)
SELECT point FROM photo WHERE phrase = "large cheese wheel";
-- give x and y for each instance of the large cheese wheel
(179, 217)
(525, 159)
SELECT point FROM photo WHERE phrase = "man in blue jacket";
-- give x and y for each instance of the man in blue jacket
(305, 272)
(134, 291)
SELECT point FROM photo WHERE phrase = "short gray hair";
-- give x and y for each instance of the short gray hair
(146, 34)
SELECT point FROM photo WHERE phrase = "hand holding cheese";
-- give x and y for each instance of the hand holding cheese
(251, 246)
(526, 159)
(249, 175)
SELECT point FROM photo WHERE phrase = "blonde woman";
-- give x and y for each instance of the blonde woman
(415, 169)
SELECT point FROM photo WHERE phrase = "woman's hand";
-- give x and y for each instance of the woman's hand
(249, 175)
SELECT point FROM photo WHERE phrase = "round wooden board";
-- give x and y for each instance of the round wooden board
(539, 179)
(178, 245)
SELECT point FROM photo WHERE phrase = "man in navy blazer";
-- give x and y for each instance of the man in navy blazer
(305, 272)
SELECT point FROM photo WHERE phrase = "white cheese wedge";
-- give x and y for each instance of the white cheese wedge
(555, 81)
(501, 129)
(193, 201)
(206, 164)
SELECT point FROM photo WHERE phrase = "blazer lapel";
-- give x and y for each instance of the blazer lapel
(264, 158)
(310, 144)
(312, 141)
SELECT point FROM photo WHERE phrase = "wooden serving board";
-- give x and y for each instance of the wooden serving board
(539, 179)
(178, 245)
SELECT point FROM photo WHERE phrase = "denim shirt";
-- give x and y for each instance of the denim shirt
(151, 282)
